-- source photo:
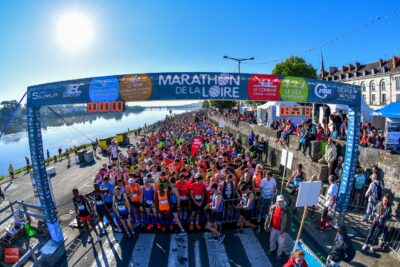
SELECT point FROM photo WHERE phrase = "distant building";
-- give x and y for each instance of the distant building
(379, 81)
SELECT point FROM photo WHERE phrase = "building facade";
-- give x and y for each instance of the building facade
(379, 81)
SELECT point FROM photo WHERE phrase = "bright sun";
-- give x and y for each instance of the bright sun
(74, 31)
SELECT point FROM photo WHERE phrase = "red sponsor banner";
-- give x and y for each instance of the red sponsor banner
(11, 255)
(263, 87)
(196, 144)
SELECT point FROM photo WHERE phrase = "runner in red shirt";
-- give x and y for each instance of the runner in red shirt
(197, 195)
(184, 190)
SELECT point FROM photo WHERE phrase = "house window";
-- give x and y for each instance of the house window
(373, 99)
(397, 98)
(383, 85)
(372, 86)
(364, 88)
(383, 100)
(365, 97)
(397, 84)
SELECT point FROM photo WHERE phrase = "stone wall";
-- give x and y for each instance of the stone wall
(390, 164)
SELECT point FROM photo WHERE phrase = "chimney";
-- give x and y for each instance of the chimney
(344, 69)
(358, 66)
(351, 67)
(395, 61)
(332, 70)
(380, 63)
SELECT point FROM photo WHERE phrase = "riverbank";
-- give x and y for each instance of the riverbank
(72, 151)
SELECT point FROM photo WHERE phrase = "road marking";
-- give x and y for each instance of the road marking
(254, 251)
(178, 249)
(142, 251)
(217, 256)
(107, 254)
(197, 260)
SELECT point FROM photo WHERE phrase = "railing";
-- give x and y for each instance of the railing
(24, 207)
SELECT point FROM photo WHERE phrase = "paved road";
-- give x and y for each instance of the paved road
(166, 250)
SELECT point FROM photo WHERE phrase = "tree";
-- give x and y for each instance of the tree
(223, 104)
(205, 104)
(295, 66)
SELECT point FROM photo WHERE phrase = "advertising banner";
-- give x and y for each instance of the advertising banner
(197, 142)
(191, 85)
(392, 134)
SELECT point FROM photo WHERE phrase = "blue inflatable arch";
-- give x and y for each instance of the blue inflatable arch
(185, 86)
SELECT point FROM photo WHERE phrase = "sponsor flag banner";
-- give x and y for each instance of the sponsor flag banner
(197, 142)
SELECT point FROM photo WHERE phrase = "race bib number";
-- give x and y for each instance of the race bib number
(81, 207)
(164, 202)
(183, 197)
(121, 207)
(197, 197)
(134, 195)
(99, 202)
(149, 202)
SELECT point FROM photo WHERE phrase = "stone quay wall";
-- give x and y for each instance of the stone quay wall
(388, 163)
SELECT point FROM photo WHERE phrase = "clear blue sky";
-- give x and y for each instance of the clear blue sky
(155, 36)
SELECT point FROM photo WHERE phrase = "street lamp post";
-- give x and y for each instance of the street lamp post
(239, 61)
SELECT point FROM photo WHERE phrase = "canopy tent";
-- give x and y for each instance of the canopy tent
(390, 111)
(267, 113)
(366, 115)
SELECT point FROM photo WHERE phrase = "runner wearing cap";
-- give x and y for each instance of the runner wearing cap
(134, 193)
(147, 199)
(197, 195)
(268, 192)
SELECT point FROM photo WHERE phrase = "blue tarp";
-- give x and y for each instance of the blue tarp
(391, 111)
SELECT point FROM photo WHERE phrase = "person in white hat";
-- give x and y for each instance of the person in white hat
(278, 224)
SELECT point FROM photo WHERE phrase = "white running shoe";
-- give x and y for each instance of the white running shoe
(364, 248)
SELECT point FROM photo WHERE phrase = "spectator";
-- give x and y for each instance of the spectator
(278, 222)
(310, 133)
(296, 260)
(330, 155)
(281, 127)
(364, 139)
(326, 112)
(260, 149)
(374, 194)
(341, 250)
(381, 213)
(359, 182)
(60, 153)
(11, 171)
(330, 200)
(251, 138)
(342, 134)
(287, 131)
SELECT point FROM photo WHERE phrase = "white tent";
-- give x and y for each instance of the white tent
(266, 113)
(365, 111)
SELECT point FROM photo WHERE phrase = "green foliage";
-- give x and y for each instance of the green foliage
(205, 104)
(223, 104)
(255, 103)
(295, 66)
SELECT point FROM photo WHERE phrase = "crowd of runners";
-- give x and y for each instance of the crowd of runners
(161, 182)
(187, 175)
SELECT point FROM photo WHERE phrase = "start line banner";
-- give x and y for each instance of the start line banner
(184, 86)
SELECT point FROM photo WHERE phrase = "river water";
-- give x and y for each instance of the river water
(14, 147)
